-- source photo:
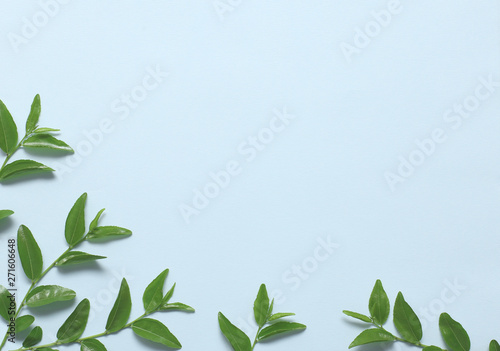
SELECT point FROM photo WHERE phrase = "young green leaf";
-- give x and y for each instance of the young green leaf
(92, 345)
(23, 322)
(238, 340)
(280, 315)
(34, 115)
(4, 303)
(357, 315)
(23, 168)
(153, 295)
(29, 253)
(5, 213)
(45, 130)
(406, 321)
(378, 305)
(279, 328)
(47, 294)
(155, 331)
(261, 306)
(177, 306)
(75, 325)
(8, 130)
(120, 312)
(95, 221)
(453, 333)
(76, 257)
(34, 337)
(168, 296)
(270, 312)
(372, 335)
(75, 222)
(46, 141)
(107, 233)
(494, 346)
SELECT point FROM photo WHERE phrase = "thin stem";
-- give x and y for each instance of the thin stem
(418, 343)
(12, 153)
(256, 336)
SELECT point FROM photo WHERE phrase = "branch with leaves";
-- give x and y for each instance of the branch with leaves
(263, 312)
(72, 329)
(407, 324)
(35, 138)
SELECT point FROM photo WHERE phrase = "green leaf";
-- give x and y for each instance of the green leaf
(75, 222)
(4, 303)
(168, 296)
(76, 257)
(120, 312)
(153, 295)
(46, 141)
(494, 346)
(108, 233)
(46, 349)
(153, 330)
(29, 253)
(238, 340)
(372, 335)
(45, 130)
(94, 222)
(47, 294)
(270, 312)
(92, 345)
(406, 321)
(8, 130)
(280, 328)
(22, 168)
(176, 306)
(453, 333)
(261, 306)
(34, 115)
(280, 315)
(432, 348)
(5, 213)
(23, 322)
(378, 305)
(34, 337)
(75, 325)
(357, 315)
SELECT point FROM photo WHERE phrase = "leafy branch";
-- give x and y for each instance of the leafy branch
(35, 138)
(407, 324)
(263, 312)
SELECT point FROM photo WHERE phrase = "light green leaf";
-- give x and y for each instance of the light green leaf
(75, 325)
(34, 115)
(5, 213)
(280, 315)
(47, 294)
(4, 303)
(46, 141)
(168, 296)
(494, 346)
(270, 312)
(92, 345)
(34, 337)
(23, 168)
(280, 328)
(238, 340)
(372, 335)
(76, 257)
(107, 233)
(176, 306)
(23, 322)
(45, 130)
(453, 333)
(153, 295)
(261, 306)
(95, 221)
(120, 312)
(75, 222)
(379, 306)
(8, 130)
(29, 253)
(406, 321)
(357, 315)
(155, 331)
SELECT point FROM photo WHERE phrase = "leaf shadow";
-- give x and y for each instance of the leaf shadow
(45, 175)
(51, 308)
(152, 345)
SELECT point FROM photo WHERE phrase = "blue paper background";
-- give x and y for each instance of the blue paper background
(433, 236)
